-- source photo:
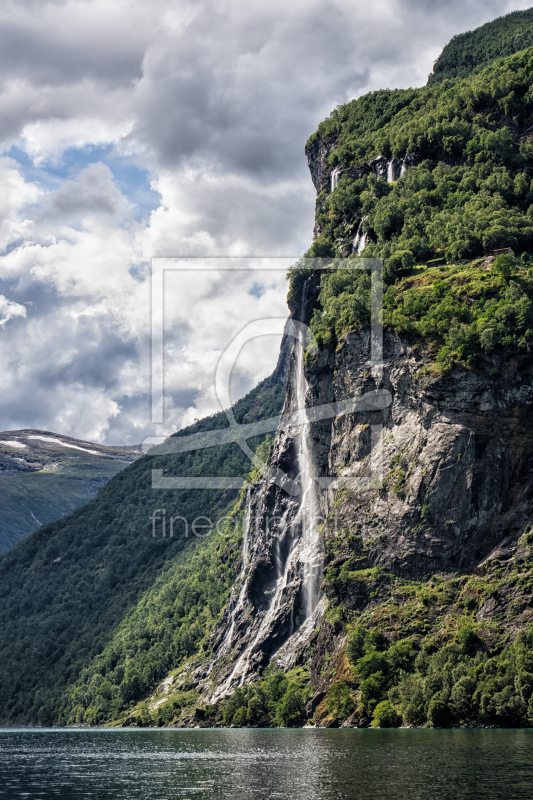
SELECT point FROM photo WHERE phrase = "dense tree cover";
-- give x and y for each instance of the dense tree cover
(418, 682)
(472, 311)
(473, 50)
(418, 657)
(165, 627)
(67, 589)
(278, 699)
(471, 188)
(95, 610)
(168, 625)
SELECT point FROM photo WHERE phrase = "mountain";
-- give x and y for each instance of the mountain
(44, 476)
(379, 570)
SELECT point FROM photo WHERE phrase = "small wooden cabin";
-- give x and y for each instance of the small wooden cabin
(501, 251)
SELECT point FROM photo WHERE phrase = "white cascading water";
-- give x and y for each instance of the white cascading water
(357, 238)
(309, 551)
(360, 240)
(404, 167)
(304, 552)
(245, 532)
(335, 175)
(390, 171)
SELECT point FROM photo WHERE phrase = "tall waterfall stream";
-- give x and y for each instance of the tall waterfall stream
(296, 554)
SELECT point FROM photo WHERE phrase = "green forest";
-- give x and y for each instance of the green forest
(470, 190)
(470, 312)
(416, 655)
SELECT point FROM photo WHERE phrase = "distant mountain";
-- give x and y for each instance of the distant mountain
(44, 476)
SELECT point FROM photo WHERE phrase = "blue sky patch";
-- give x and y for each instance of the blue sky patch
(132, 180)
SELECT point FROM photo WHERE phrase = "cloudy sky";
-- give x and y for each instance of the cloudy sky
(131, 130)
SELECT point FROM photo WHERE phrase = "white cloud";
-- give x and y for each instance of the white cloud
(92, 195)
(9, 309)
(216, 101)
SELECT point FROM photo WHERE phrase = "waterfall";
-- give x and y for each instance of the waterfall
(357, 238)
(335, 175)
(246, 532)
(299, 563)
(362, 243)
(308, 511)
(390, 171)
(361, 239)
(404, 166)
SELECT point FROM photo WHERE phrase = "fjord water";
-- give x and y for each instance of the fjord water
(249, 764)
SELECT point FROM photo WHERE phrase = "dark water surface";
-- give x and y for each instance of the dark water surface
(242, 764)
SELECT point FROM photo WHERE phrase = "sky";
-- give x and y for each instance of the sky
(133, 130)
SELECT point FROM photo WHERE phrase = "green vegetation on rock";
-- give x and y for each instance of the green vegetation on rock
(468, 188)
(421, 681)
(278, 699)
(96, 611)
(469, 311)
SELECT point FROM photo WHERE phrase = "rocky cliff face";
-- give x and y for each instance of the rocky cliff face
(434, 477)
(452, 463)
(277, 600)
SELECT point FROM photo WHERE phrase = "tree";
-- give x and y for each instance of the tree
(386, 716)
(339, 701)
(355, 645)
(290, 709)
(505, 265)
(439, 713)
(240, 717)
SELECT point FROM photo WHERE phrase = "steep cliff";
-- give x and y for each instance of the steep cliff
(100, 605)
(409, 535)
(413, 568)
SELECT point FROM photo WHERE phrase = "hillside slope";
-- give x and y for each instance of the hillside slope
(44, 476)
(66, 588)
